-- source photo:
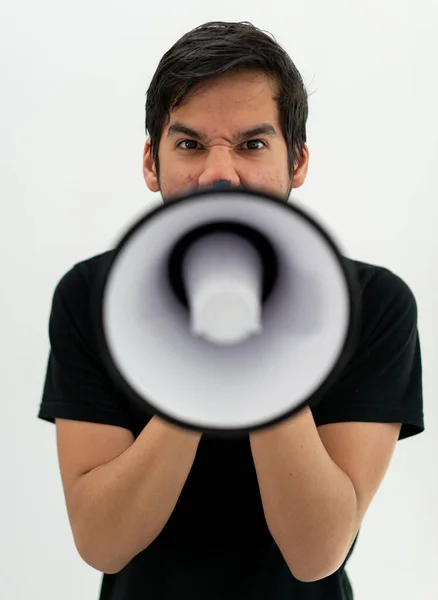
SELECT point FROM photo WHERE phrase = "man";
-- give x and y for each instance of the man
(169, 513)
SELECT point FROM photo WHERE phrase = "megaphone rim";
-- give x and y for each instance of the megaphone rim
(354, 305)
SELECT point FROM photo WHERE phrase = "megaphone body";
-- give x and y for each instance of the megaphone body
(226, 311)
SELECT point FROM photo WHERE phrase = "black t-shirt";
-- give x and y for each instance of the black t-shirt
(216, 543)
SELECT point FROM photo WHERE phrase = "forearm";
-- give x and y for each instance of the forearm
(309, 502)
(120, 507)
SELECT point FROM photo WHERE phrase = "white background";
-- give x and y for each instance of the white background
(73, 78)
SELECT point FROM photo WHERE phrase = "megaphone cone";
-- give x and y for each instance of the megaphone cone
(226, 311)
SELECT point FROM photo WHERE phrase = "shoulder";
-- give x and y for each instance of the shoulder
(87, 270)
(76, 285)
(382, 380)
(382, 292)
(72, 299)
(373, 277)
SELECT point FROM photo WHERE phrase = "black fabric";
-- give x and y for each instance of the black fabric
(216, 544)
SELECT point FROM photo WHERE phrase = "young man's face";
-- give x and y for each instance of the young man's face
(219, 113)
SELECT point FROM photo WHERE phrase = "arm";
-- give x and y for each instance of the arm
(316, 485)
(119, 506)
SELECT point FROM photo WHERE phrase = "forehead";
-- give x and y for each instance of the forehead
(238, 99)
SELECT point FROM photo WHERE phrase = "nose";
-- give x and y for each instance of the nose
(219, 167)
(221, 184)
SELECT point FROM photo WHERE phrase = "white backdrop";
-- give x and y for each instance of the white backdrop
(73, 78)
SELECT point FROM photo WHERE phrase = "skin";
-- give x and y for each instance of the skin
(218, 110)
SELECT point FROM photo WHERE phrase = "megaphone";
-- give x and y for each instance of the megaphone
(226, 311)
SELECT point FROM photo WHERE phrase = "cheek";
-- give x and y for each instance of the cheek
(180, 177)
(274, 179)
(271, 181)
(177, 181)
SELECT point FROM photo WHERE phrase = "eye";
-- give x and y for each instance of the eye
(251, 148)
(186, 142)
(256, 142)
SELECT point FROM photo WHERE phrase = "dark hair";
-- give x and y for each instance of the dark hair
(218, 47)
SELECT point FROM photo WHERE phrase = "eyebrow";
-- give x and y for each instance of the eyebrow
(261, 129)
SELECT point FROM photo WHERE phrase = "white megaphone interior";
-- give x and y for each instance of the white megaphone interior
(304, 323)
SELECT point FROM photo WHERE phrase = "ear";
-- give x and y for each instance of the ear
(301, 168)
(149, 170)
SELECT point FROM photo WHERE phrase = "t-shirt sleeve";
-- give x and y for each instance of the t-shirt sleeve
(77, 385)
(383, 380)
